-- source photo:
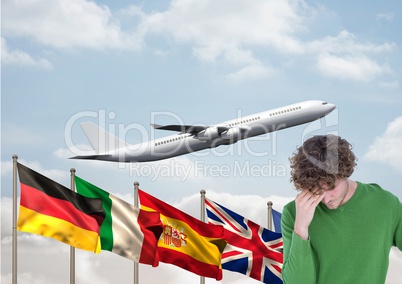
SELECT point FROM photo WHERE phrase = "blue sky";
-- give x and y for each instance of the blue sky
(128, 64)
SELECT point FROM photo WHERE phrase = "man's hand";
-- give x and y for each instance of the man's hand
(306, 202)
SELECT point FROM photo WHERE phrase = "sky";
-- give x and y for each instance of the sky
(126, 64)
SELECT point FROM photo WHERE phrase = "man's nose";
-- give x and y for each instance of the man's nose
(326, 198)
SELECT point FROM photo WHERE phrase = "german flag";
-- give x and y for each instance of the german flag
(52, 210)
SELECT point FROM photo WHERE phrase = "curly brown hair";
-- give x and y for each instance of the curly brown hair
(321, 160)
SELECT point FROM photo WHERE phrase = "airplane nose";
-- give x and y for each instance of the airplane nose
(329, 107)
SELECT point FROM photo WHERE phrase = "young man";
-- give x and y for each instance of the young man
(336, 231)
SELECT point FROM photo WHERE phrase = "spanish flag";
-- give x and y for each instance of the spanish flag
(52, 210)
(186, 241)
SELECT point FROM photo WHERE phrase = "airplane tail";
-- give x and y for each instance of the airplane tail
(102, 142)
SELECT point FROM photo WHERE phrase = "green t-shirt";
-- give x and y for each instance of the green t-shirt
(348, 245)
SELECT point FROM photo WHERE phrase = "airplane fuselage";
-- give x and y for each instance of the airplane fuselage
(224, 133)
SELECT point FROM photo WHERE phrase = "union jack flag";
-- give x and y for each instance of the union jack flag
(251, 249)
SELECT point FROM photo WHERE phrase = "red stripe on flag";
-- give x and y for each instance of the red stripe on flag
(171, 212)
(151, 226)
(40, 202)
(188, 263)
(230, 253)
(222, 217)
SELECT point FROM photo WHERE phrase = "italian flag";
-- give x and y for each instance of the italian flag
(127, 230)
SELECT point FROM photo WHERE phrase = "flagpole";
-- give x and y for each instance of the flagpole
(136, 264)
(270, 215)
(72, 249)
(14, 241)
(202, 192)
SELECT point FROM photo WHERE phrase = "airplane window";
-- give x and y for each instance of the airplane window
(324, 103)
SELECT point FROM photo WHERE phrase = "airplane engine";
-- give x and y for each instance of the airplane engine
(208, 134)
(233, 134)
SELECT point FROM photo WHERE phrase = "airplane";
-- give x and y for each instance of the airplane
(192, 138)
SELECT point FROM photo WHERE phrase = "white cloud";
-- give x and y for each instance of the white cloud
(66, 24)
(357, 68)
(347, 43)
(16, 131)
(25, 278)
(80, 149)
(395, 264)
(389, 85)
(251, 72)
(230, 22)
(228, 31)
(387, 16)
(386, 148)
(344, 57)
(18, 57)
(240, 33)
(7, 168)
(231, 35)
(239, 203)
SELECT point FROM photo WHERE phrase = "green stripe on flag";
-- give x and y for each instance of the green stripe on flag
(89, 190)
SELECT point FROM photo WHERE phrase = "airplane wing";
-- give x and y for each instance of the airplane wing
(192, 129)
(94, 157)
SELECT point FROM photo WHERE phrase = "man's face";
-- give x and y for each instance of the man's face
(336, 197)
